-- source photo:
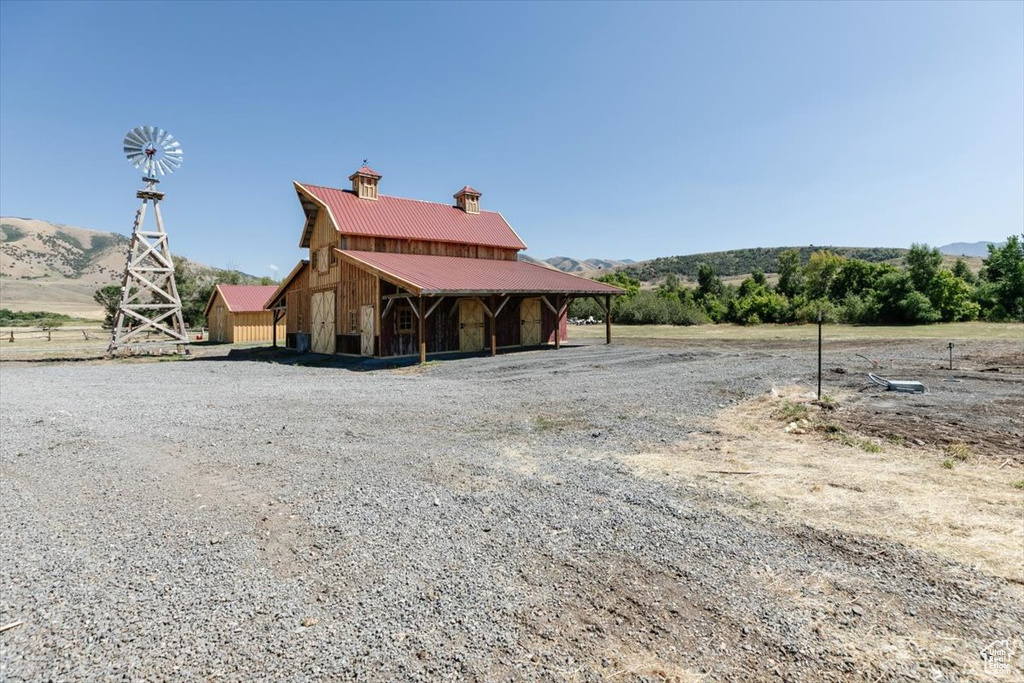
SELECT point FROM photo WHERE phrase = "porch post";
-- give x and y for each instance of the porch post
(422, 333)
(494, 328)
(607, 318)
(558, 321)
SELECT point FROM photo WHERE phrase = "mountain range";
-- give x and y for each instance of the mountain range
(56, 268)
(979, 249)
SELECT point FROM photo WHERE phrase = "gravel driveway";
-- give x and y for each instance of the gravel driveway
(250, 519)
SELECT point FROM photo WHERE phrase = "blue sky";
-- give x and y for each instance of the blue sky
(598, 129)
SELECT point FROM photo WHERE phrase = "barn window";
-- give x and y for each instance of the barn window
(352, 321)
(404, 320)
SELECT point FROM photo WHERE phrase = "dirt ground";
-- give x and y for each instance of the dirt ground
(657, 510)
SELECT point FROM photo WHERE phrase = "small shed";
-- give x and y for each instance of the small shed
(237, 313)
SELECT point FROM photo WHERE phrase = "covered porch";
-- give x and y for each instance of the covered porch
(434, 304)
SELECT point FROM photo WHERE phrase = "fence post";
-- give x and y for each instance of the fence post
(819, 355)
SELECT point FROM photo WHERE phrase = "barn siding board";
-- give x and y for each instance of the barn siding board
(397, 246)
(244, 326)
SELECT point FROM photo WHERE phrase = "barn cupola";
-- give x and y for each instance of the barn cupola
(468, 200)
(364, 183)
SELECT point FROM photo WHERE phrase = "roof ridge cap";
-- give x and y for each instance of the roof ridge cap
(392, 196)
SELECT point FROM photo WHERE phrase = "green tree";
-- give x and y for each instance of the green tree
(586, 308)
(922, 263)
(670, 288)
(895, 300)
(708, 282)
(821, 268)
(109, 297)
(963, 271)
(951, 297)
(1003, 273)
(791, 277)
(622, 280)
(855, 277)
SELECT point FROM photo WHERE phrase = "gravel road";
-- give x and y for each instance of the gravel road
(245, 518)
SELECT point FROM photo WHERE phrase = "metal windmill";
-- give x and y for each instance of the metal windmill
(149, 311)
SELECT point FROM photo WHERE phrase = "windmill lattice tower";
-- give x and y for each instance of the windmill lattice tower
(149, 310)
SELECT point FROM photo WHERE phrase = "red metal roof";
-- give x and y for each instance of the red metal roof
(365, 170)
(451, 275)
(467, 190)
(245, 298)
(412, 219)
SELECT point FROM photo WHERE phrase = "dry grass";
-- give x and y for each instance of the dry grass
(767, 333)
(971, 513)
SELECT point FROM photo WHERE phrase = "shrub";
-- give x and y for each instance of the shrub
(791, 412)
(805, 311)
(647, 308)
(958, 451)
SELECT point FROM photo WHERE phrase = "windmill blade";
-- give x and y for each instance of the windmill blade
(135, 137)
(153, 149)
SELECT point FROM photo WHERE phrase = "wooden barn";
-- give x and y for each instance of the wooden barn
(237, 313)
(388, 276)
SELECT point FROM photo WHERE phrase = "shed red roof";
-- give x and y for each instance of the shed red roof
(244, 298)
(423, 274)
(411, 219)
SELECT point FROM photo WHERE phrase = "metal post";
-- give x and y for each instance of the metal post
(950, 355)
(819, 355)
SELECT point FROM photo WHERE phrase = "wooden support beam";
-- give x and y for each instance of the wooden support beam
(558, 322)
(607, 319)
(487, 309)
(387, 309)
(422, 334)
(278, 313)
(544, 298)
(502, 305)
(494, 328)
(433, 306)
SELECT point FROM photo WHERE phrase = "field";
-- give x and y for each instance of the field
(676, 506)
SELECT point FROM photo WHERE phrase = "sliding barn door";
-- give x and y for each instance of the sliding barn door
(471, 325)
(322, 305)
(529, 322)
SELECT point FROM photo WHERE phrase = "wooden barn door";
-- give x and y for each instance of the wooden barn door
(529, 322)
(322, 305)
(471, 325)
(366, 330)
(218, 325)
